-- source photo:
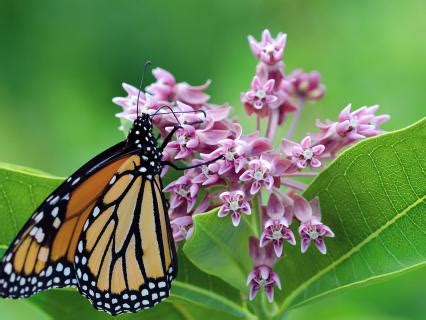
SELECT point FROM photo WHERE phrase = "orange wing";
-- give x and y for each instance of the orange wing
(42, 254)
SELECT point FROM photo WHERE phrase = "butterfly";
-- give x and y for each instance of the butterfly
(105, 230)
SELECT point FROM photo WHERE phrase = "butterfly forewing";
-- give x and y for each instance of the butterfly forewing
(125, 259)
(42, 254)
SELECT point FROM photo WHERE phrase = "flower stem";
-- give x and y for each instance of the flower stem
(255, 214)
(294, 184)
(328, 156)
(259, 208)
(303, 174)
(296, 117)
(272, 124)
(257, 123)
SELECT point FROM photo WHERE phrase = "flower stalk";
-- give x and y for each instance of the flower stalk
(296, 117)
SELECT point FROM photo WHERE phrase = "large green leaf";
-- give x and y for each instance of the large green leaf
(220, 249)
(372, 196)
(21, 191)
(194, 292)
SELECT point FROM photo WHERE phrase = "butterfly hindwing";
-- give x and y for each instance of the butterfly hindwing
(125, 259)
(41, 256)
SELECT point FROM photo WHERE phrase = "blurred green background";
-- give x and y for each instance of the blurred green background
(62, 62)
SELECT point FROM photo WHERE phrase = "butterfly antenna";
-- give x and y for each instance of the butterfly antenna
(157, 113)
(171, 112)
(145, 67)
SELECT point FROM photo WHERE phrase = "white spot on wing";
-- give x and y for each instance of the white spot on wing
(39, 235)
(67, 271)
(33, 231)
(96, 212)
(59, 267)
(56, 222)
(8, 268)
(38, 217)
(55, 211)
(54, 200)
(49, 271)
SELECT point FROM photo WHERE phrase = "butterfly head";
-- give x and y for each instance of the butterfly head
(141, 137)
(143, 120)
(142, 125)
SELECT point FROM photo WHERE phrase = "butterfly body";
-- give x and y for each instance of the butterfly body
(104, 230)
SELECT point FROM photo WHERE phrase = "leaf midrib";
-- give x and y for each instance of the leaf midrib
(214, 296)
(346, 256)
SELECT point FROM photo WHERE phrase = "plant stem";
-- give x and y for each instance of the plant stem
(296, 117)
(303, 174)
(255, 213)
(268, 308)
(327, 156)
(257, 123)
(294, 184)
(259, 208)
(272, 124)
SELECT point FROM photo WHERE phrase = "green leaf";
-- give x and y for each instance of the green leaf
(21, 191)
(21, 309)
(194, 293)
(373, 198)
(220, 249)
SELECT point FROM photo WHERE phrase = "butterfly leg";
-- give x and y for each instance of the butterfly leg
(173, 131)
(170, 136)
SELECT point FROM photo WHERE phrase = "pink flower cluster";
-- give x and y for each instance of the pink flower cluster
(248, 166)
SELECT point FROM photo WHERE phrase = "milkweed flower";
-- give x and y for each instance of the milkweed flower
(303, 85)
(258, 175)
(268, 50)
(262, 276)
(186, 141)
(304, 154)
(146, 103)
(277, 227)
(182, 228)
(260, 97)
(311, 227)
(237, 151)
(182, 191)
(166, 88)
(206, 174)
(360, 123)
(234, 203)
(350, 127)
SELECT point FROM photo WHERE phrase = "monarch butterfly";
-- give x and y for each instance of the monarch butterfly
(105, 230)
